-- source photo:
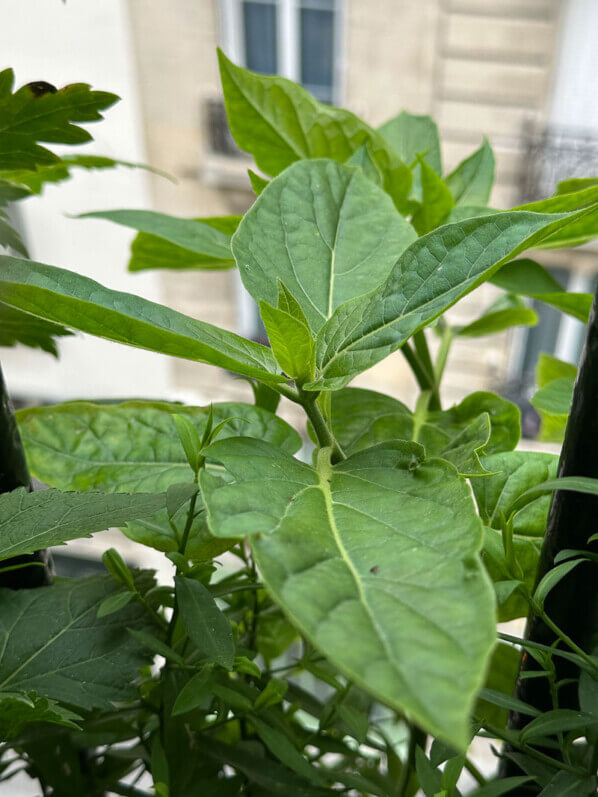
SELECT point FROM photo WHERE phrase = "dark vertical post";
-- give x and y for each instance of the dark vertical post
(13, 474)
(573, 518)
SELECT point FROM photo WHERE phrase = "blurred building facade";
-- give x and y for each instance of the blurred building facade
(507, 69)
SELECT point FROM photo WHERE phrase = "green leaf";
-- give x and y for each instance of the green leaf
(497, 788)
(557, 721)
(428, 278)
(494, 700)
(156, 646)
(579, 484)
(291, 341)
(114, 603)
(20, 709)
(115, 564)
(507, 311)
(552, 578)
(437, 201)
(581, 229)
(514, 473)
(482, 422)
(209, 245)
(279, 122)
(325, 231)
(32, 521)
(565, 783)
(64, 297)
(17, 327)
(190, 441)
(194, 693)
(550, 368)
(511, 603)
(207, 626)
(471, 182)
(410, 135)
(555, 397)
(528, 278)
(575, 184)
(53, 643)
(283, 749)
(308, 530)
(10, 238)
(430, 778)
(28, 118)
(258, 183)
(271, 695)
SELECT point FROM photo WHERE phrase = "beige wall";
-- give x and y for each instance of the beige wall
(480, 66)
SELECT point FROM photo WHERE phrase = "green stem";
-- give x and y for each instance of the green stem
(475, 772)
(423, 352)
(591, 662)
(417, 739)
(324, 436)
(446, 342)
(425, 379)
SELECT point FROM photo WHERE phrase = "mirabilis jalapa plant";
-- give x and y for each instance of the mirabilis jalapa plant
(380, 567)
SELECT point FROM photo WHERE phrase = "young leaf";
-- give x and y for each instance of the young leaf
(511, 603)
(189, 438)
(307, 529)
(555, 397)
(194, 693)
(272, 694)
(114, 603)
(550, 368)
(557, 721)
(428, 278)
(552, 578)
(291, 341)
(202, 237)
(116, 565)
(177, 495)
(436, 203)
(29, 117)
(207, 626)
(63, 651)
(17, 327)
(279, 122)
(508, 702)
(80, 303)
(32, 521)
(410, 135)
(507, 311)
(471, 182)
(258, 183)
(325, 231)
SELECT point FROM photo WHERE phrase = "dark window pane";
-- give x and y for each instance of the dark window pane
(317, 52)
(260, 37)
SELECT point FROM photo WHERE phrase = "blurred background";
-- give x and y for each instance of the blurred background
(522, 72)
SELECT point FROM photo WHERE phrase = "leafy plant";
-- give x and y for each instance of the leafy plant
(330, 614)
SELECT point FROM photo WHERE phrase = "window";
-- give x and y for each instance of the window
(297, 39)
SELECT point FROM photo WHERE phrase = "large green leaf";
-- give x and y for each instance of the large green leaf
(279, 122)
(430, 276)
(32, 521)
(18, 327)
(324, 230)
(515, 472)
(471, 181)
(134, 447)
(78, 302)
(584, 229)
(528, 278)
(375, 561)
(53, 643)
(202, 241)
(28, 117)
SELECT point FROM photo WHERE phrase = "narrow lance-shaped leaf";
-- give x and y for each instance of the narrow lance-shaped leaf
(203, 241)
(471, 181)
(32, 521)
(507, 311)
(207, 626)
(279, 122)
(428, 278)
(325, 231)
(371, 549)
(78, 302)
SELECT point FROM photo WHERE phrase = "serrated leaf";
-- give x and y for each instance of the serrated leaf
(53, 643)
(325, 231)
(32, 521)
(428, 278)
(279, 122)
(208, 244)
(29, 118)
(17, 327)
(78, 302)
(307, 529)
(207, 626)
(20, 709)
(471, 181)
(506, 312)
